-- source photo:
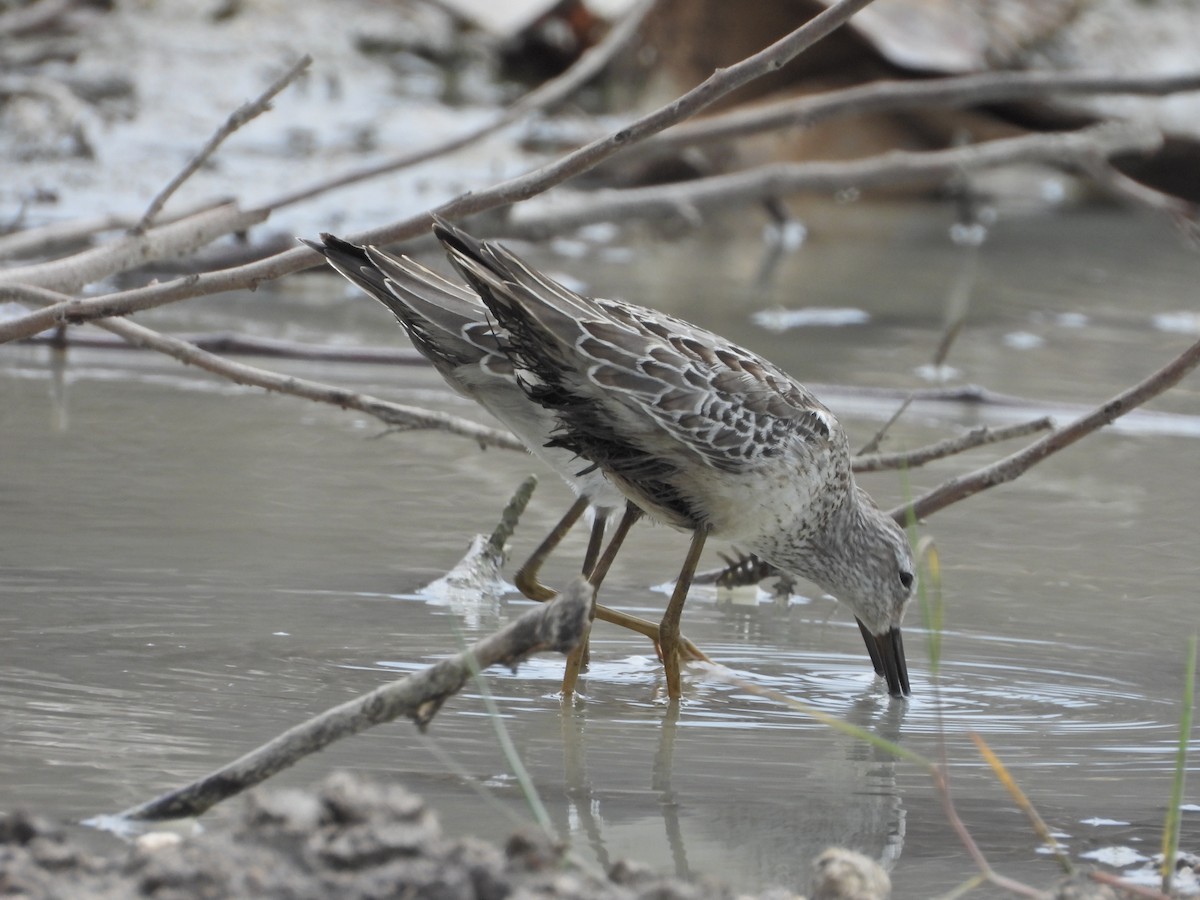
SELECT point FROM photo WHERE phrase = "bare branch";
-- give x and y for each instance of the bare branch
(895, 168)
(1018, 463)
(72, 273)
(34, 241)
(247, 112)
(556, 626)
(891, 96)
(43, 240)
(977, 437)
(394, 414)
(231, 343)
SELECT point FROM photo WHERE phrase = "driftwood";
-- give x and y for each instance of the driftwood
(556, 626)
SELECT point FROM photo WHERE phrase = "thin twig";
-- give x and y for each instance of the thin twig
(977, 437)
(247, 112)
(553, 627)
(958, 303)
(394, 414)
(546, 96)
(942, 784)
(956, 489)
(871, 446)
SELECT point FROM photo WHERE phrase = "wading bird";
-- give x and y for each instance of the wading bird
(691, 429)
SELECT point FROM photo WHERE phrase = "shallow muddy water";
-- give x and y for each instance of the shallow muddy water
(190, 567)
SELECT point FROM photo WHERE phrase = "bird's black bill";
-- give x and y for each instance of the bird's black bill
(887, 656)
(869, 640)
(895, 667)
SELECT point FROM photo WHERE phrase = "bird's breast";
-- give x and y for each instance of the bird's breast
(774, 503)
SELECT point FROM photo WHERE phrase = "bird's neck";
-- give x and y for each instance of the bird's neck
(819, 554)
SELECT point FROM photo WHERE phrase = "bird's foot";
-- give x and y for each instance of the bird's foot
(529, 586)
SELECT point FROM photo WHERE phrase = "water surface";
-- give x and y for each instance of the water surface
(190, 567)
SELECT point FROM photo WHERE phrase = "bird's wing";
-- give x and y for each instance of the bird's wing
(728, 405)
(448, 316)
(634, 389)
(446, 322)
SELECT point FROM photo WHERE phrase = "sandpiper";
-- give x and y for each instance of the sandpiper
(695, 432)
(451, 328)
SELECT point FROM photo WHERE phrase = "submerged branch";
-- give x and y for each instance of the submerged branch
(556, 626)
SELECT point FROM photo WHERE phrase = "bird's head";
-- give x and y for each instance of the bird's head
(870, 569)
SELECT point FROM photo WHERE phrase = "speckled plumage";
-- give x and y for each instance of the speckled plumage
(696, 431)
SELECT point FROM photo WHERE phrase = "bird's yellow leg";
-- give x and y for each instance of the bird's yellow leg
(576, 657)
(527, 576)
(668, 630)
(595, 542)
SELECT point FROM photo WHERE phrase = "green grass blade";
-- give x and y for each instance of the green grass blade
(1171, 827)
(932, 602)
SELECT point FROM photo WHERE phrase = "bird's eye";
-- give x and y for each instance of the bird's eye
(906, 579)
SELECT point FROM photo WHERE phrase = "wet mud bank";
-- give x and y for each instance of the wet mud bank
(349, 838)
